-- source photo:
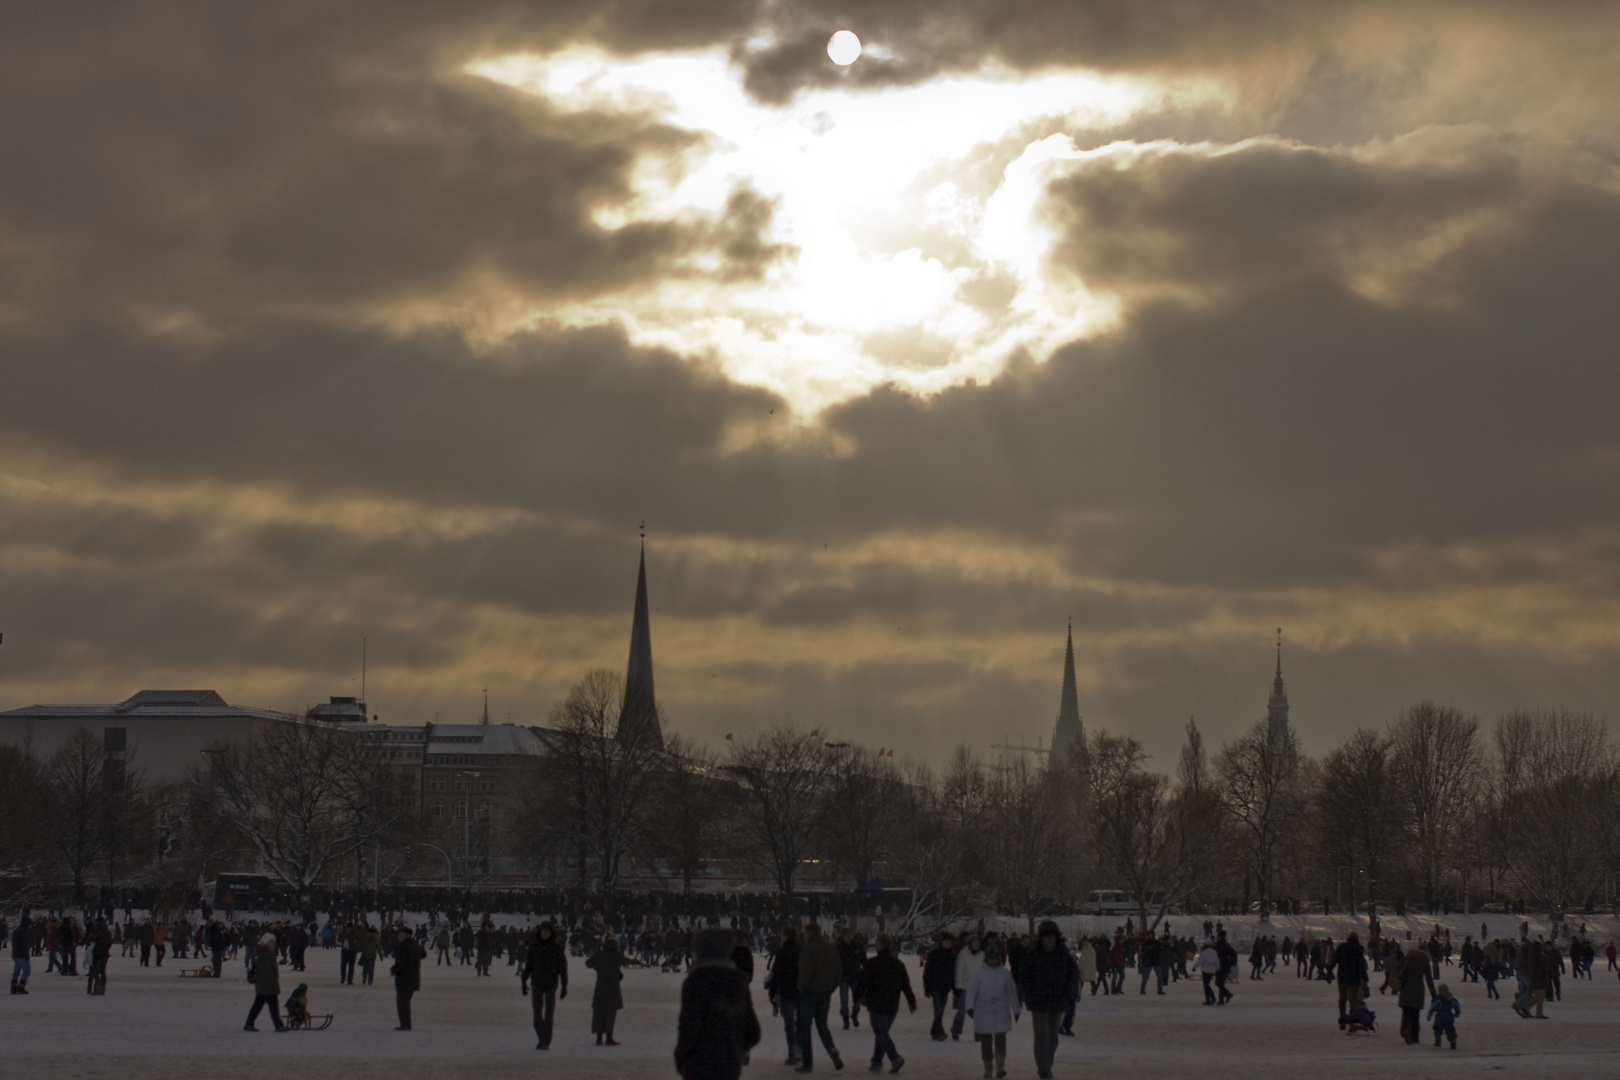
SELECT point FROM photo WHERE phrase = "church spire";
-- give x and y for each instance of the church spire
(1277, 707)
(1069, 731)
(638, 720)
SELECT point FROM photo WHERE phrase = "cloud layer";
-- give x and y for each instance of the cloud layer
(310, 332)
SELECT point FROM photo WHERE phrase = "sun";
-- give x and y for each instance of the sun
(844, 48)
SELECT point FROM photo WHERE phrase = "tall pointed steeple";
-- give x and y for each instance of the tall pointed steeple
(1277, 707)
(485, 720)
(638, 720)
(1069, 731)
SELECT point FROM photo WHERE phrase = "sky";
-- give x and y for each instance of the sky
(1185, 322)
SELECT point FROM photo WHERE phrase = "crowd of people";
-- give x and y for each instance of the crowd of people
(974, 977)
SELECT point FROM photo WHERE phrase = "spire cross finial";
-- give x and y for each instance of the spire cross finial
(644, 528)
(1279, 650)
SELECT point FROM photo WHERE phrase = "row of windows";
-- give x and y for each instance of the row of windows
(459, 810)
(437, 783)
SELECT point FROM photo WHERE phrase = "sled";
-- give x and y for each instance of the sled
(1362, 1019)
(311, 1022)
(197, 973)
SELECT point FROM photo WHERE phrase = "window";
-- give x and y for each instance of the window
(436, 784)
(113, 739)
(461, 783)
(112, 774)
(486, 783)
(459, 810)
(437, 809)
(485, 809)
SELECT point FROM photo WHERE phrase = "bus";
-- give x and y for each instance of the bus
(1110, 902)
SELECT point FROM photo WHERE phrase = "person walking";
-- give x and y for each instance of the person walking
(819, 972)
(441, 947)
(1350, 962)
(991, 999)
(783, 986)
(1048, 982)
(882, 981)
(851, 956)
(368, 948)
(1228, 965)
(939, 979)
(1444, 1010)
(266, 984)
(100, 942)
(407, 972)
(968, 962)
(607, 999)
(1208, 966)
(717, 1025)
(545, 970)
(1416, 980)
(22, 944)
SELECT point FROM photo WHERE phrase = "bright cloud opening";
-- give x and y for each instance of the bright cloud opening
(917, 259)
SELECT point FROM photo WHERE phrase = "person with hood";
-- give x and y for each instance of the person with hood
(407, 972)
(717, 1025)
(784, 988)
(607, 999)
(22, 945)
(266, 984)
(1350, 962)
(991, 999)
(1416, 979)
(939, 979)
(882, 981)
(968, 962)
(819, 972)
(1444, 1010)
(545, 969)
(1047, 982)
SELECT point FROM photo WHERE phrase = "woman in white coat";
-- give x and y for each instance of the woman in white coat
(1207, 964)
(992, 1001)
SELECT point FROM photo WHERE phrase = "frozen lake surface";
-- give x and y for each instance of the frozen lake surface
(153, 1024)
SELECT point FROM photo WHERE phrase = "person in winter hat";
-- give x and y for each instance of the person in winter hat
(992, 1001)
(266, 984)
(1444, 1010)
(717, 1025)
(1047, 982)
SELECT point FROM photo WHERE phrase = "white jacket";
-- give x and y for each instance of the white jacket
(993, 997)
(1209, 961)
(968, 963)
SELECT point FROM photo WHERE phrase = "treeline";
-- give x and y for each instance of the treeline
(1434, 810)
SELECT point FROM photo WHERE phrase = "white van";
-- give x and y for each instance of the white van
(1110, 902)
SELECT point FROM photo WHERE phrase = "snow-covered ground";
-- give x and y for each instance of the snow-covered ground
(153, 1024)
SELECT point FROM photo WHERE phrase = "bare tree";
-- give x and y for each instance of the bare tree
(1263, 791)
(690, 806)
(1554, 771)
(77, 793)
(1141, 828)
(1031, 837)
(1357, 812)
(604, 785)
(305, 796)
(1435, 761)
(24, 809)
(782, 776)
(865, 798)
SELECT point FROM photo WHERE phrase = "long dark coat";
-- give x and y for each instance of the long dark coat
(609, 964)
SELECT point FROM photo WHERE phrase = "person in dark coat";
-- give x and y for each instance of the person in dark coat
(407, 972)
(883, 979)
(1417, 985)
(717, 1025)
(1047, 982)
(100, 942)
(851, 957)
(742, 957)
(608, 963)
(784, 985)
(22, 946)
(939, 978)
(266, 984)
(1350, 962)
(545, 968)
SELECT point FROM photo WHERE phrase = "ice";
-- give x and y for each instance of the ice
(154, 1024)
